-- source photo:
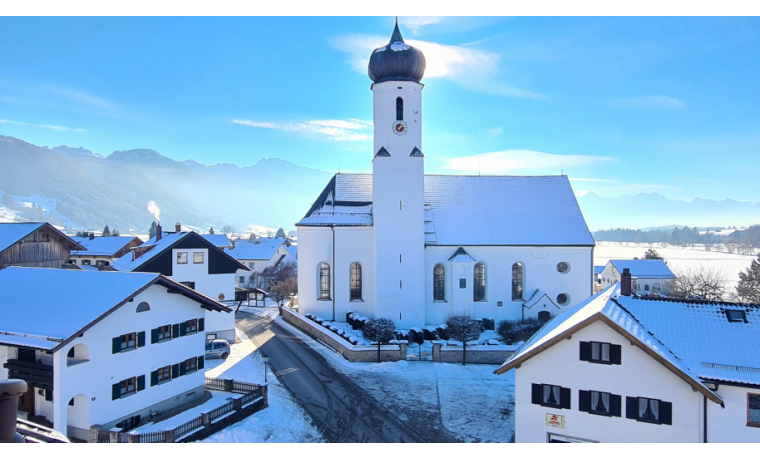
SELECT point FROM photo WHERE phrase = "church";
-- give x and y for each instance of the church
(414, 248)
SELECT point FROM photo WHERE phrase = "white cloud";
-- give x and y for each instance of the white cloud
(470, 68)
(415, 23)
(493, 132)
(523, 161)
(647, 102)
(338, 130)
(53, 127)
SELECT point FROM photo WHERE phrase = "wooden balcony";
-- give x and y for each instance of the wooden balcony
(35, 374)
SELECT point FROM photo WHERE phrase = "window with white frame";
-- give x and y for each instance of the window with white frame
(600, 352)
(599, 403)
(197, 257)
(753, 410)
(181, 257)
(550, 395)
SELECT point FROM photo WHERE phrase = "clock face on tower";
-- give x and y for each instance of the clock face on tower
(399, 127)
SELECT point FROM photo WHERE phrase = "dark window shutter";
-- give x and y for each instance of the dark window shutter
(584, 401)
(200, 362)
(631, 407)
(615, 354)
(141, 339)
(200, 324)
(48, 395)
(615, 405)
(141, 383)
(115, 391)
(154, 335)
(154, 378)
(585, 351)
(536, 390)
(564, 397)
(175, 371)
(182, 368)
(666, 413)
(116, 345)
(137, 419)
(182, 329)
(175, 331)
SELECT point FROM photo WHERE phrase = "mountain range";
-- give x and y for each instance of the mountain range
(78, 188)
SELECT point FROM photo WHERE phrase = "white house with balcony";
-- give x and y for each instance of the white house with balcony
(621, 368)
(101, 347)
(413, 248)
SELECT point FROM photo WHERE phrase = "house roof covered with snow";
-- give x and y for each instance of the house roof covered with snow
(68, 302)
(644, 268)
(262, 249)
(12, 232)
(102, 245)
(469, 210)
(605, 307)
(220, 240)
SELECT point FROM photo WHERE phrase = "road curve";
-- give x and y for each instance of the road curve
(342, 411)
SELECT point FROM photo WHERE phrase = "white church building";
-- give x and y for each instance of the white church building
(414, 248)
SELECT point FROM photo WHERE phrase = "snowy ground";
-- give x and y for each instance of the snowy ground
(678, 258)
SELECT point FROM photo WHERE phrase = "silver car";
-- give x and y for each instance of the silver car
(217, 348)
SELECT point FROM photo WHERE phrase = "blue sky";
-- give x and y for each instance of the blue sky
(620, 104)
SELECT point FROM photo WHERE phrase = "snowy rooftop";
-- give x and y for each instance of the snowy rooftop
(56, 304)
(644, 268)
(264, 249)
(102, 245)
(125, 263)
(219, 240)
(469, 210)
(12, 232)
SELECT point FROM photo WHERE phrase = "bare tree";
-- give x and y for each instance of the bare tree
(379, 330)
(282, 291)
(705, 282)
(464, 328)
(227, 229)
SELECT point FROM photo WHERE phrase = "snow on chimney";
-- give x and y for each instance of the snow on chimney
(625, 282)
(177, 227)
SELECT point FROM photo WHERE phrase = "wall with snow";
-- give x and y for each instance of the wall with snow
(638, 375)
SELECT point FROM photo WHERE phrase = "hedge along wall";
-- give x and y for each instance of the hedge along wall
(353, 353)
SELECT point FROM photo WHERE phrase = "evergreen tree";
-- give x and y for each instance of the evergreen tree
(115, 232)
(280, 233)
(748, 288)
(106, 231)
(211, 230)
(379, 330)
(152, 230)
(652, 254)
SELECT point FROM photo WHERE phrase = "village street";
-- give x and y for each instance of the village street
(342, 410)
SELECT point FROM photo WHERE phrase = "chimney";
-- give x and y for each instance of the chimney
(625, 282)
(91, 235)
(158, 231)
(10, 390)
(177, 227)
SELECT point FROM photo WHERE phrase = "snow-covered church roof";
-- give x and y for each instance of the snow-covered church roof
(469, 210)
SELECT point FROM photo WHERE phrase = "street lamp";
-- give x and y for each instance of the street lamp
(265, 358)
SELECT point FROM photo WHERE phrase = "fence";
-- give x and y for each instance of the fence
(255, 398)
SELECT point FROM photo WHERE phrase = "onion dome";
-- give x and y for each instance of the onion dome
(396, 61)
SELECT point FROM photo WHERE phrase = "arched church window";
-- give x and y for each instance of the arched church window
(399, 109)
(517, 281)
(324, 281)
(439, 282)
(356, 281)
(479, 282)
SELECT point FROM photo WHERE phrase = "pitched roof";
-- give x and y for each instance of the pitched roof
(102, 245)
(469, 210)
(603, 307)
(67, 302)
(12, 232)
(644, 268)
(263, 250)
(219, 240)
(460, 255)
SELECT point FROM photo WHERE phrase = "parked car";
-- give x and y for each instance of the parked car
(217, 348)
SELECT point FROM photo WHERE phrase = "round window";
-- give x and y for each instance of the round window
(563, 299)
(563, 267)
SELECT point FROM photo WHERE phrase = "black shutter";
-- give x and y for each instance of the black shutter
(615, 402)
(631, 407)
(564, 397)
(115, 391)
(666, 413)
(585, 351)
(116, 345)
(182, 368)
(182, 329)
(154, 335)
(141, 383)
(48, 395)
(175, 371)
(584, 401)
(140, 339)
(536, 390)
(200, 324)
(154, 378)
(175, 331)
(200, 362)
(615, 354)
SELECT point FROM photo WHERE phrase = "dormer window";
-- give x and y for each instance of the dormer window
(736, 316)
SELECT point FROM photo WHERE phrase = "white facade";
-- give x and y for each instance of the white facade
(644, 285)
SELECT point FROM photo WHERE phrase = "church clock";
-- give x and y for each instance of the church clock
(399, 127)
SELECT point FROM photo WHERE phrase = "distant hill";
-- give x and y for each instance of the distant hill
(83, 189)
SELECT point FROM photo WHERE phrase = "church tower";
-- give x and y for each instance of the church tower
(398, 174)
